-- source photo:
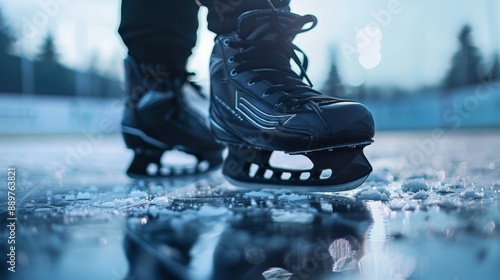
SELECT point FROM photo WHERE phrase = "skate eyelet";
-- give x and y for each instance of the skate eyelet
(250, 83)
(278, 104)
(230, 59)
(266, 94)
(233, 73)
(226, 42)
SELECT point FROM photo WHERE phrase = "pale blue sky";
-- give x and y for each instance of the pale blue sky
(417, 42)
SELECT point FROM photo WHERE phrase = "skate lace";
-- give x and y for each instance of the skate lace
(270, 61)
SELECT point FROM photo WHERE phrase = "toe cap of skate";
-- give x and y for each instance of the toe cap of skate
(350, 122)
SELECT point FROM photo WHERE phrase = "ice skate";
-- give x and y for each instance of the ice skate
(157, 118)
(260, 105)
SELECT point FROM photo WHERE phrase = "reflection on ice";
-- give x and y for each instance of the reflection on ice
(277, 273)
(343, 254)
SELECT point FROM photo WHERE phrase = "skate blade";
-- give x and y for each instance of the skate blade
(337, 170)
(301, 188)
(146, 164)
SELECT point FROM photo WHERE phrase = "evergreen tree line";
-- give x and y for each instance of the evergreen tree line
(467, 69)
(45, 75)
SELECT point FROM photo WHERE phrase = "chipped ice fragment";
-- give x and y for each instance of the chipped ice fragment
(138, 194)
(70, 197)
(370, 195)
(397, 204)
(420, 195)
(293, 197)
(161, 201)
(283, 216)
(257, 194)
(83, 196)
(471, 194)
(108, 204)
(415, 185)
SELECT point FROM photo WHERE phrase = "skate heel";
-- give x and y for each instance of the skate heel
(142, 160)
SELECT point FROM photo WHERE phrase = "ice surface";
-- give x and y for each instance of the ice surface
(434, 220)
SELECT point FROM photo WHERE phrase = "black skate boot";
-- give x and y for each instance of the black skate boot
(157, 119)
(260, 105)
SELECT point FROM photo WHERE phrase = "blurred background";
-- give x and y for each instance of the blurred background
(416, 64)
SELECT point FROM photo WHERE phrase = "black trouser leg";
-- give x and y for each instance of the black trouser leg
(159, 31)
(223, 14)
(164, 31)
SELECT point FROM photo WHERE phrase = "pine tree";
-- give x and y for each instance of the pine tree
(495, 69)
(49, 53)
(5, 37)
(333, 85)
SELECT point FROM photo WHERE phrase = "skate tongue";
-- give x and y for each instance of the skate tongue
(259, 24)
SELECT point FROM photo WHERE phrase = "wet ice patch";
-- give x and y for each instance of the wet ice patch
(415, 185)
(283, 216)
(277, 273)
(210, 211)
